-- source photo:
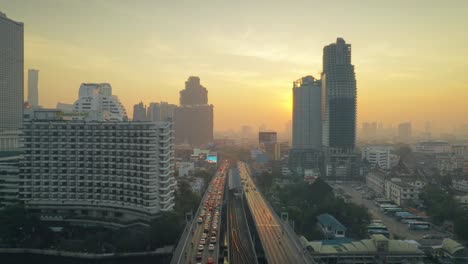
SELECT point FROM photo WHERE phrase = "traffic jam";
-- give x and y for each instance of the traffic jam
(209, 217)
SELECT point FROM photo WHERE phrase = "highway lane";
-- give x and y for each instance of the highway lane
(278, 247)
(189, 253)
(241, 247)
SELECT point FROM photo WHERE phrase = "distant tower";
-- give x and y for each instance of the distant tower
(139, 112)
(404, 132)
(339, 93)
(339, 110)
(306, 126)
(11, 74)
(194, 93)
(33, 90)
(193, 119)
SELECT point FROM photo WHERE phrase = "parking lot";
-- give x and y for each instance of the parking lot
(395, 227)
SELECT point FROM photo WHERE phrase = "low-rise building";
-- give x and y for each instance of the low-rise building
(330, 227)
(185, 169)
(400, 191)
(432, 147)
(377, 249)
(450, 252)
(380, 156)
(375, 180)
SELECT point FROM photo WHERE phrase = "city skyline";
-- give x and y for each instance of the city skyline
(398, 80)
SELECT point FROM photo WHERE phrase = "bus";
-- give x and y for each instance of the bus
(383, 206)
(392, 210)
(418, 225)
(377, 228)
(410, 218)
(379, 201)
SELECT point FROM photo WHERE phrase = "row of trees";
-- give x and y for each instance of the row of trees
(442, 206)
(305, 202)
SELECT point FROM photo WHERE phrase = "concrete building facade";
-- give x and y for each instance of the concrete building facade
(106, 171)
(11, 74)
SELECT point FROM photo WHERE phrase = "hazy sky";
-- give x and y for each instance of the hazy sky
(410, 56)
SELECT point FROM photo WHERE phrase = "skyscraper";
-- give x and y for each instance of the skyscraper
(306, 126)
(194, 93)
(139, 112)
(193, 119)
(339, 93)
(339, 110)
(404, 132)
(11, 74)
(162, 111)
(33, 91)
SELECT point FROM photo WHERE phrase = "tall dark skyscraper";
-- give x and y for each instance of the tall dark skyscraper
(339, 110)
(194, 93)
(193, 119)
(339, 97)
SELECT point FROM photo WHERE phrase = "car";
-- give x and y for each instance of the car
(213, 240)
(211, 247)
(199, 256)
(209, 260)
(204, 235)
(200, 220)
(201, 247)
(202, 241)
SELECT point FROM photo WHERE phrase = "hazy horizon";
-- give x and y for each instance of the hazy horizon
(248, 54)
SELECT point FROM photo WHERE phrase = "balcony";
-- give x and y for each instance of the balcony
(166, 202)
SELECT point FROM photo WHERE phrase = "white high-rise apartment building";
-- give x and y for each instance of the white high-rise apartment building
(33, 90)
(11, 81)
(108, 171)
(379, 156)
(96, 102)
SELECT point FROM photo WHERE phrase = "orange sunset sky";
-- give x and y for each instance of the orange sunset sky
(411, 57)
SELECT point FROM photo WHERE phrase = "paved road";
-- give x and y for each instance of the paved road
(190, 248)
(278, 246)
(394, 226)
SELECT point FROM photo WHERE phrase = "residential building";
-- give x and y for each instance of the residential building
(139, 112)
(105, 171)
(65, 108)
(185, 168)
(461, 150)
(376, 249)
(379, 156)
(448, 163)
(339, 99)
(33, 90)
(96, 103)
(11, 74)
(330, 227)
(432, 147)
(460, 184)
(162, 111)
(9, 177)
(305, 153)
(193, 119)
(401, 192)
(10, 140)
(404, 132)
